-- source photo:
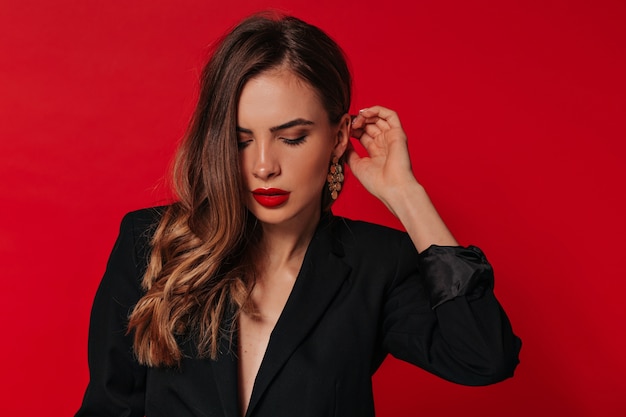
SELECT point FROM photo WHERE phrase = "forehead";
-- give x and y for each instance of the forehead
(275, 97)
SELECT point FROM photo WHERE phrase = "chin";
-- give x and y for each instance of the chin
(271, 216)
(285, 214)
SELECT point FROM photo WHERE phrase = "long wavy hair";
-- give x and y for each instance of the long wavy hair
(201, 268)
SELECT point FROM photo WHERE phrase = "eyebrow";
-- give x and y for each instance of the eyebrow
(292, 123)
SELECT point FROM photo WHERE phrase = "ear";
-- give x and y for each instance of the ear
(343, 135)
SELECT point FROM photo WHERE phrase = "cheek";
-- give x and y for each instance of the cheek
(319, 165)
(316, 166)
(316, 174)
(244, 165)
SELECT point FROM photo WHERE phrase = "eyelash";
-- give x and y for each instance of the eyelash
(296, 141)
(287, 141)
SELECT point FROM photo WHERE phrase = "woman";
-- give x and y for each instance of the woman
(247, 296)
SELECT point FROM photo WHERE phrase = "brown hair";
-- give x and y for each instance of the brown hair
(201, 268)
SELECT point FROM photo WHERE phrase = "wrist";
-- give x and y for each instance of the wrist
(402, 197)
(412, 206)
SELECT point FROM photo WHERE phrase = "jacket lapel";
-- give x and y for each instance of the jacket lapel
(321, 275)
(225, 372)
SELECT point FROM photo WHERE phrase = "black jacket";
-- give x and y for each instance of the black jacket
(362, 292)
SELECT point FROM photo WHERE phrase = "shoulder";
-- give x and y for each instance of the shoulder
(370, 238)
(360, 228)
(143, 219)
(137, 228)
(142, 223)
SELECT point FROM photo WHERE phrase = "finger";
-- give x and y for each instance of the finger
(383, 124)
(369, 144)
(361, 120)
(356, 133)
(358, 121)
(372, 130)
(388, 115)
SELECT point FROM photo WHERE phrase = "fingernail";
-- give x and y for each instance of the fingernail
(362, 110)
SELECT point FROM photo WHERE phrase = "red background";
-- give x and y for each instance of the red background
(515, 114)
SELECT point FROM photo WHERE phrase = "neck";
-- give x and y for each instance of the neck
(288, 241)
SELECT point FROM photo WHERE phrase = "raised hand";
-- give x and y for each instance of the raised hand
(386, 173)
(387, 165)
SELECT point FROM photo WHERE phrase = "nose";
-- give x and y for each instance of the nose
(265, 163)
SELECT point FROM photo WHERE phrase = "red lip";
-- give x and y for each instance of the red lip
(270, 197)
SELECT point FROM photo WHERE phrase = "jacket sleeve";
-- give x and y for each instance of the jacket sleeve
(117, 381)
(444, 317)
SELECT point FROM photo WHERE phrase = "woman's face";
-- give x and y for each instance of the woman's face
(286, 144)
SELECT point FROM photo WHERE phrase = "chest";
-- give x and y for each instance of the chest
(254, 331)
(311, 356)
(306, 364)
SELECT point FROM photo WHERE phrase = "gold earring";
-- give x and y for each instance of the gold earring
(335, 178)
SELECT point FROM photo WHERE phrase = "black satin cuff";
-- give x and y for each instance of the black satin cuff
(455, 271)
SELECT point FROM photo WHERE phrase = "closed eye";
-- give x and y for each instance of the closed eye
(294, 142)
(242, 144)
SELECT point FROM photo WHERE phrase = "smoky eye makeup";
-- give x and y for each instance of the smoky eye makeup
(242, 140)
(295, 141)
(285, 133)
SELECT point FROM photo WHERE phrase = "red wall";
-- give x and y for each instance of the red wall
(516, 117)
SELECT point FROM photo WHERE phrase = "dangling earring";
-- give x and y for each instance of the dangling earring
(335, 178)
